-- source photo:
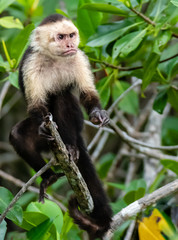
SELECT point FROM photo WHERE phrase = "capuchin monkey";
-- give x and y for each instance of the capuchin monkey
(51, 72)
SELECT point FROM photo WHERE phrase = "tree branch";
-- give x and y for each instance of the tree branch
(70, 169)
(20, 183)
(131, 140)
(129, 68)
(25, 187)
(136, 207)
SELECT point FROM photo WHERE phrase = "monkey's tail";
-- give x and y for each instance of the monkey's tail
(87, 223)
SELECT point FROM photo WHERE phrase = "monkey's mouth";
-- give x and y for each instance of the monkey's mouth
(70, 52)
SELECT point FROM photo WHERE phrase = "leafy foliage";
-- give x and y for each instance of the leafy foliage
(124, 40)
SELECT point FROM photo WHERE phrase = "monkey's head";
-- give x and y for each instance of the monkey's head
(56, 36)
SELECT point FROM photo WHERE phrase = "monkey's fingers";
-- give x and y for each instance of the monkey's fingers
(73, 152)
(44, 132)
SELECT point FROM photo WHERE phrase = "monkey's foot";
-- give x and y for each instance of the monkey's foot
(73, 152)
(46, 182)
(44, 132)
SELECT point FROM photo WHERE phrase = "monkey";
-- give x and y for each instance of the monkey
(55, 77)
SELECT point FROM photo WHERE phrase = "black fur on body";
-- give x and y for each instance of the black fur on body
(65, 108)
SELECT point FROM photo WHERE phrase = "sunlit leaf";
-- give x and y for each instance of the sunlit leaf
(11, 22)
(170, 164)
(175, 2)
(102, 7)
(4, 4)
(128, 43)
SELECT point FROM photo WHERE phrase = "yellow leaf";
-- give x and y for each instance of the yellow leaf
(151, 227)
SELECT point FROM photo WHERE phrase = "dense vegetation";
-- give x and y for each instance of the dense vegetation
(133, 49)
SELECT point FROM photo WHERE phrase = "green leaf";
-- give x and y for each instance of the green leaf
(49, 209)
(20, 42)
(135, 190)
(127, 3)
(104, 90)
(130, 103)
(169, 133)
(41, 232)
(128, 43)
(68, 223)
(4, 4)
(157, 181)
(13, 78)
(116, 185)
(160, 101)
(173, 97)
(11, 22)
(104, 164)
(15, 213)
(170, 164)
(32, 219)
(89, 19)
(102, 7)
(118, 206)
(108, 36)
(62, 13)
(175, 2)
(150, 68)
(3, 229)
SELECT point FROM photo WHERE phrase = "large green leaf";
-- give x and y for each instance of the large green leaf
(102, 7)
(15, 214)
(89, 19)
(160, 101)
(3, 229)
(175, 2)
(20, 42)
(104, 89)
(11, 22)
(4, 4)
(169, 133)
(173, 97)
(49, 209)
(170, 164)
(41, 232)
(111, 32)
(130, 103)
(150, 68)
(135, 190)
(128, 43)
(13, 78)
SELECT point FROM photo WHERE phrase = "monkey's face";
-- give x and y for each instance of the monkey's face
(59, 39)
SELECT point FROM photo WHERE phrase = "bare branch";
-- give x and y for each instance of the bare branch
(70, 169)
(25, 187)
(4, 92)
(20, 183)
(131, 140)
(136, 207)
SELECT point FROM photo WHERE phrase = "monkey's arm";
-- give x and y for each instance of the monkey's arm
(91, 102)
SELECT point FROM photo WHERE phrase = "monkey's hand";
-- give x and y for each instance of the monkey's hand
(100, 117)
(73, 152)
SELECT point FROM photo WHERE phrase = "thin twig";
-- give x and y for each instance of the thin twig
(25, 187)
(131, 140)
(20, 183)
(136, 207)
(145, 18)
(129, 68)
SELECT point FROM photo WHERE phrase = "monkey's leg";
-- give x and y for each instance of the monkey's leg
(28, 144)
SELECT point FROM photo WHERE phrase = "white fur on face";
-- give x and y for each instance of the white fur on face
(45, 72)
(43, 37)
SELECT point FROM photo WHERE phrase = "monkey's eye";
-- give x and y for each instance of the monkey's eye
(72, 35)
(60, 36)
